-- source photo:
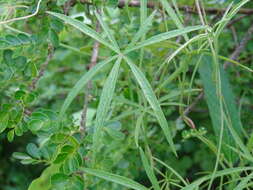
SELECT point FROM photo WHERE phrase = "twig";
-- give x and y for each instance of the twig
(189, 9)
(24, 17)
(194, 103)
(93, 62)
(232, 22)
(201, 95)
(41, 73)
(27, 112)
(241, 47)
(43, 67)
(68, 5)
(136, 3)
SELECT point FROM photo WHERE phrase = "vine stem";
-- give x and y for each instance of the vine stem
(247, 37)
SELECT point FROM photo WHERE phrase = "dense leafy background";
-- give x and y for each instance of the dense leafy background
(47, 142)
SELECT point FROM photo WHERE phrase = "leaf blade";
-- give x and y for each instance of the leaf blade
(82, 82)
(149, 171)
(142, 30)
(83, 28)
(115, 178)
(154, 103)
(173, 16)
(104, 104)
(165, 36)
(231, 134)
(107, 31)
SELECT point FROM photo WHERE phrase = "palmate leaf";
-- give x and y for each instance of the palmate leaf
(104, 104)
(154, 103)
(235, 131)
(82, 82)
(115, 178)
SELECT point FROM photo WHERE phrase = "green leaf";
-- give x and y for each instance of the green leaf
(79, 158)
(28, 161)
(19, 94)
(20, 62)
(4, 119)
(19, 130)
(115, 134)
(12, 40)
(29, 98)
(115, 178)
(76, 183)
(138, 128)
(206, 71)
(116, 125)
(113, 3)
(33, 150)
(59, 178)
(171, 170)
(67, 149)
(220, 173)
(56, 25)
(107, 31)
(24, 38)
(35, 124)
(73, 164)
(38, 115)
(149, 171)
(182, 67)
(104, 103)
(60, 158)
(165, 36)
(43, 182)
(54, 39)
(10, 135)
(227, 17)
(83, 28)
(142, 30)
(20, 156)
(154, 103)
(82, 82)
(244, 182)
(33, 69)
(173, 16)
(143, 10)
(7, 56)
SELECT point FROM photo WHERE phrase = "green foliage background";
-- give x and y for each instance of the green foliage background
(127, 135)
